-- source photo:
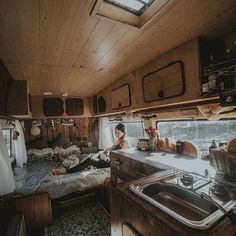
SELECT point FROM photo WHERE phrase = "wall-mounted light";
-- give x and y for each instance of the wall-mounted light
(47, 93)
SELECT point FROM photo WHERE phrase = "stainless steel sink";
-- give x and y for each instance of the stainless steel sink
(185, 205)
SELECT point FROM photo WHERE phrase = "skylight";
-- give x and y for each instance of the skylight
(135, 6)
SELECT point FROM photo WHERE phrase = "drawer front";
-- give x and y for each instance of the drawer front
(144, 170)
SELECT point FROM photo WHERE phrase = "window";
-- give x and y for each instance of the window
(134, 130)
(7, 136)
(200, 133)
(135, 6)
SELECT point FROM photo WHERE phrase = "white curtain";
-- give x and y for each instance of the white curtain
(19, 146)
(7, 183)
(105, 139)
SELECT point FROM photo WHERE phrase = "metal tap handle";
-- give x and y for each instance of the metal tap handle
(231, 214)
(204, 195)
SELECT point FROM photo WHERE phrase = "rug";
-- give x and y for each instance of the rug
(87, 219)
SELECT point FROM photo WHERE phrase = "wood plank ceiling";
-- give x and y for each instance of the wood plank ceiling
(48, 41)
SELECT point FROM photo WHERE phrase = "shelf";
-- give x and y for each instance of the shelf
(231, 62)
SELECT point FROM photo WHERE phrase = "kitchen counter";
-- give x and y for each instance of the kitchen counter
(164, 160)
(128, 207)
(139, 206)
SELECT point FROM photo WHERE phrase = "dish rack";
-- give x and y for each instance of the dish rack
(224, 162)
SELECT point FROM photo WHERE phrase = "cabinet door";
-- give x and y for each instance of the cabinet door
(123, 210)
(165, 82)
(18, 99)
(120, 97)
(53, 107)
(74, 106)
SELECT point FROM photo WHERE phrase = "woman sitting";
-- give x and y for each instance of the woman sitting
(121, 143)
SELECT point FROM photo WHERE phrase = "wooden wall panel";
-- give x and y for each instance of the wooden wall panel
(84, 129)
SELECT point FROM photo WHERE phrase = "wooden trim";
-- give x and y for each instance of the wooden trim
(178, 106)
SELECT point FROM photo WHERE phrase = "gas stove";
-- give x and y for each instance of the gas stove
(219, 189)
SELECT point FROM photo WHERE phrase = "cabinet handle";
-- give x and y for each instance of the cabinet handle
(117, 162)
(141, 173)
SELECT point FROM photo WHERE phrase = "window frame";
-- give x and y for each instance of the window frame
(133, 11)
(10, 129)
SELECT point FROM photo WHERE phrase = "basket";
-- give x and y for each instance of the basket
(224, 162)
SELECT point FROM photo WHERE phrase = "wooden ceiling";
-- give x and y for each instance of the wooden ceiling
(57, 46)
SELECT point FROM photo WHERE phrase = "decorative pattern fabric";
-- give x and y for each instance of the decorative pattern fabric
(87, 219)
(35, 155)
(70, 162)
(65, 152)
(36, 177)
(99, 156)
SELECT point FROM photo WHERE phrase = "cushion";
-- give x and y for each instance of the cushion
(36, 155)
(37, 144)
(65, 152)
(70, 162)
(60, 141)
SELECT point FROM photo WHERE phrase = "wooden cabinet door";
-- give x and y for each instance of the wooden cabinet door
(120, 97)
(18, 99)
(123, 210)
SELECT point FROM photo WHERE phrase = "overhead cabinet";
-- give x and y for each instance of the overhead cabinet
(121, 97)
(18, 104)
(165, 82)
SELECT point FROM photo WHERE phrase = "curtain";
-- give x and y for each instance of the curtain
(105, 139)
(7, 183)
(19, 146)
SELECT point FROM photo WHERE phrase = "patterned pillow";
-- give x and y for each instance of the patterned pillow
(36, 155)
(65, 152)
(70, 161)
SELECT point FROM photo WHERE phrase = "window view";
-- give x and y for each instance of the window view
(7, 137)
(200, 133)
(135, 6)
(134, 131)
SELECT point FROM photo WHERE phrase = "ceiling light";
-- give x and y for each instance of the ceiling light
(48, 93)
(64, 94)
(83, 66)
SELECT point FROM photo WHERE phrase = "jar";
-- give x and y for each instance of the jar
(212, 81)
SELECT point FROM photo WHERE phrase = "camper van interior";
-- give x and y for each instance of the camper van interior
(118, 117)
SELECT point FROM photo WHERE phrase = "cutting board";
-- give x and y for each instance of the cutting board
(232, 145)
(190, 150)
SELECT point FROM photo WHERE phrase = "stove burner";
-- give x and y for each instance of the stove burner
(187, 179)
(219, 190)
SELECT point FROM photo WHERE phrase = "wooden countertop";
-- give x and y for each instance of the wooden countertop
(164, 160)
(170, 161)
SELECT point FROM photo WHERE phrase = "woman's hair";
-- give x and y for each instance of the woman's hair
(120, 127)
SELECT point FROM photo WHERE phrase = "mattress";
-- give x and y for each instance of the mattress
(36, 177)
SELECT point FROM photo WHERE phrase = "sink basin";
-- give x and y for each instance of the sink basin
(187, 206)
(186, 203)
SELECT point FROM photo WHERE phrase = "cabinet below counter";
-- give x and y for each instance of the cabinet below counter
(127, 167)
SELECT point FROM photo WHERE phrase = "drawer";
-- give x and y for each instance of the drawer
(144, 170)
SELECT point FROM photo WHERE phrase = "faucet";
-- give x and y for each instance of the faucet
(231, 214)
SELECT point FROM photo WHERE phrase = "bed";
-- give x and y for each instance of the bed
(36, 177)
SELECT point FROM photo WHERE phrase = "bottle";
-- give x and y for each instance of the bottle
(213, 145)
(205, 85)
(212, 81)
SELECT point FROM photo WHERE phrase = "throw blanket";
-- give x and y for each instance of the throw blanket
(99, 156)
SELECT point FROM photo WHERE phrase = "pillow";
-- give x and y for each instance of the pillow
(36, 155)
(60, 141)
(37, 144)
(65, 152)
(70, 162)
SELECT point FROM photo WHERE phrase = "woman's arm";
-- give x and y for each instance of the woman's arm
(124, 144)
